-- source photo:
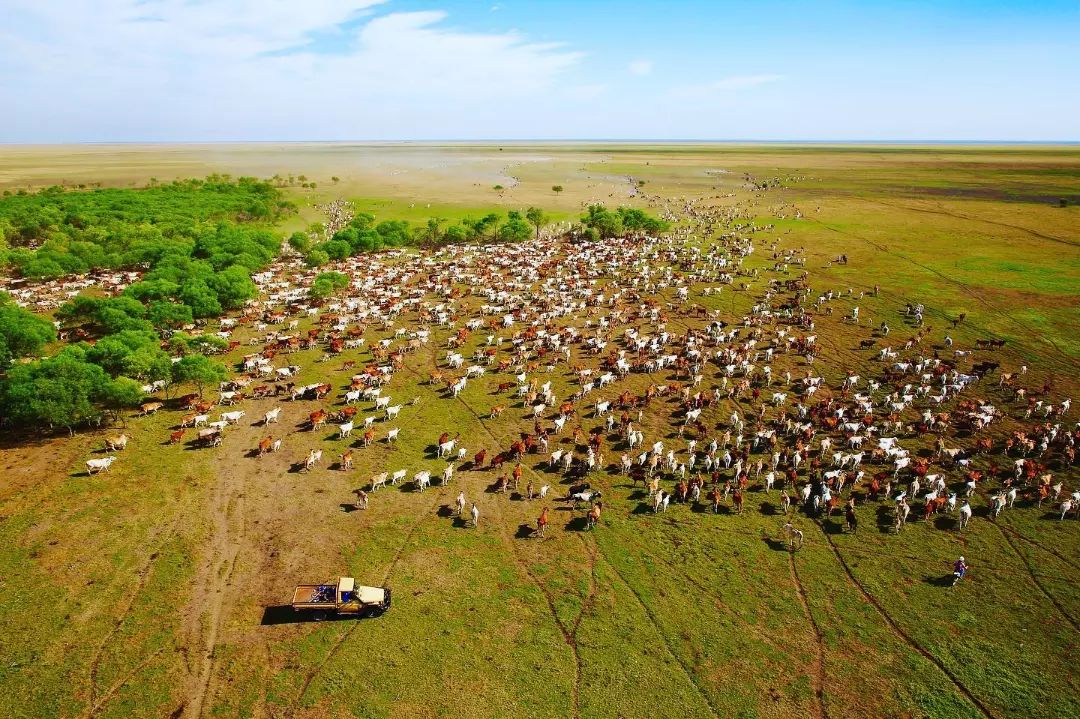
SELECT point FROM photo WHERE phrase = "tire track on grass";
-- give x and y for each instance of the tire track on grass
(569, 636)
(143, 577)
(109, 693)
(217, 571)
(344, 637)
(971, 218)
(667, 643)
(1035, 579)
(1040, 545)
(899, 632)
(819, 690)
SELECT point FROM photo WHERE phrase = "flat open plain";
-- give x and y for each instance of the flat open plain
(156, 589)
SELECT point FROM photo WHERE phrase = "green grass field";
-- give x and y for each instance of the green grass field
(114, 586)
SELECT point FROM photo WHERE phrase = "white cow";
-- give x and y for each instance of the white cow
(99, 465)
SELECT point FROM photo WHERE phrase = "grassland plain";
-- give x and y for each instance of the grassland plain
(156, 589)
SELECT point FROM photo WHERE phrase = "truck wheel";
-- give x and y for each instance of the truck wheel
(319, 616)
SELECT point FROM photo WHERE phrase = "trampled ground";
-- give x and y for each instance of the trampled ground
(157, 589)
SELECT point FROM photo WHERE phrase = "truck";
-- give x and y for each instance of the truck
(343, 598)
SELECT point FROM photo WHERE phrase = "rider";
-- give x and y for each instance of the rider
(959, 568)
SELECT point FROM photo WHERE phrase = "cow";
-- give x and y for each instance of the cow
(115, 444)
(99, 465)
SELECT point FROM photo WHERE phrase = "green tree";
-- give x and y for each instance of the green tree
(59, 391)
(122, 393)
(515, 229)
(22, 333)
(456, 234)
(327, 283)
(299, 242)
(433, 224)
(201, 298)
(604, 221)
(556, 189)
(536, 216)
(199, 370)
(133, 354)
(317, 258)
(169, 315)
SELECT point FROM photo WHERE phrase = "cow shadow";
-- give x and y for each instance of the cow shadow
(777, 545)
(768, 509)
(832, 527)
(445, 511)
(944, 521)
(348, 507)
(460, 523)
(884, 519)
(524, 531)
(577, 524)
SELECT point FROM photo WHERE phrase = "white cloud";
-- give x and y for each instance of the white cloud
(258, 69)
(725, 86)
(586, 92)
(640, 67)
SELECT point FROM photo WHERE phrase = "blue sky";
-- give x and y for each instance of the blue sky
(220, 70)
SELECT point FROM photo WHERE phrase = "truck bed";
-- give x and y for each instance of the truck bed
(305, 594)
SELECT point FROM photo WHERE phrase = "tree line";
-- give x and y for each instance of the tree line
(198, 242)
(365, 234)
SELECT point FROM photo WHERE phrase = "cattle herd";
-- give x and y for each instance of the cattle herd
(701, 370)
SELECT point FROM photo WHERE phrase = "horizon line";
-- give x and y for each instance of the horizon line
(569, 140)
